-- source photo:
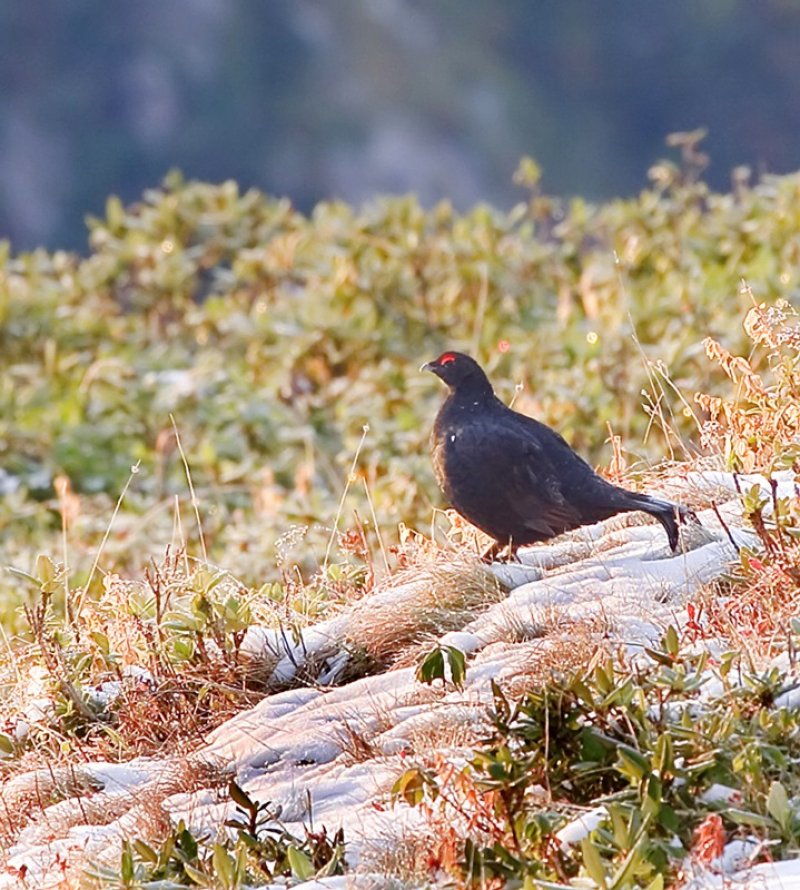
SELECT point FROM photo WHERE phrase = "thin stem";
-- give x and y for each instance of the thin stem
(375, 525)
(191, 489)
(351, 476)
(62, 490)
(82, 595)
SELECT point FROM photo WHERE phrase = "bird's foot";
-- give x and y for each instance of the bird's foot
(500, 552)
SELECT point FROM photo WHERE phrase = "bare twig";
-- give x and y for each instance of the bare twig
(725, 527)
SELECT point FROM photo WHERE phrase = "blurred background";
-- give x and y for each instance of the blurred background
(316, 99)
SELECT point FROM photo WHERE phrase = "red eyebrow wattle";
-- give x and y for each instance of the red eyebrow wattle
(447, 358)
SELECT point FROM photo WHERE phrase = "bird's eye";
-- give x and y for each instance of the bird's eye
(447, 358)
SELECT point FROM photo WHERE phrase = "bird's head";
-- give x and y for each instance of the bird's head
(459, 372)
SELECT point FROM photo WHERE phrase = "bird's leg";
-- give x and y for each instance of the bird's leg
(491, 552)
(502, 552)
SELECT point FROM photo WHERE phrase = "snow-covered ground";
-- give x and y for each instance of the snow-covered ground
(295, 748)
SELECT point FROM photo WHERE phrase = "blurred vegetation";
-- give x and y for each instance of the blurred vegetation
(274, 338)
(311, 99)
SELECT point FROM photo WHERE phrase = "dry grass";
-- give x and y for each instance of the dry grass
(33, 792)
(454, 727)
(401, 855)
(752, 617)
(461, 810)
(757, 429)
(110, 680)
(425, 599)
(568, 647)
(46, 803)
(757, 426)
(357, 737)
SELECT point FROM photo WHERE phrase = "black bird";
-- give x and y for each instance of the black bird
(515, 478)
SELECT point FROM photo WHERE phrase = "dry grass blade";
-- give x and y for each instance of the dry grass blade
(195, 503)
(351, 476)
(758, 425)
(81, 598)
(428, 599)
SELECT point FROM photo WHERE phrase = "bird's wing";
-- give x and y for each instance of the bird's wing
(538, 499)
(527, 469)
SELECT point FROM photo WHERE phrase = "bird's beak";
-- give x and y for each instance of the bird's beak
(428, 366)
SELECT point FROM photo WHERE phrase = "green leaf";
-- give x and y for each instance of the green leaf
(604, 679)
(145, 851)
(651, 805)
(593, 862)
(745, 817)
(728, 660)
(166, 851)
(778, 806)
(19, 573)
(101, 640)
(663, 760)
(410, 786)
(671, 641)
(45, 569)
(186, 840)
(331, 867)
(300, 864)
(223, 866)
(432, 667)
(583, 692)
(634, 858)
(183, 648)
(458, 670)
(194, 874)
(126, 869)
(660, 657)
(631, 763)
(240, 797)
(668, 818)
(240, 864)
(620, 826)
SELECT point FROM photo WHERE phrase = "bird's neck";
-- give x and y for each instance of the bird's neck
(471, 401)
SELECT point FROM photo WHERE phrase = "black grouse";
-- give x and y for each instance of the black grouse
(513, 477)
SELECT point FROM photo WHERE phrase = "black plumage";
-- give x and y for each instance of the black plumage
(515, 478)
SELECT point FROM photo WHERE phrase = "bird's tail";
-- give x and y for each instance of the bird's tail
(667, 513)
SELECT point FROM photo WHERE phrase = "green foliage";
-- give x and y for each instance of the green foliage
(273, 338)
(440, 661)
(274, 850)
(261, 851)
(176, 863)
(643, 743)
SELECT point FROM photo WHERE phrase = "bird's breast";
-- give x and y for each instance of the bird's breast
(443, 452)
(459, 458)
(446, 442)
